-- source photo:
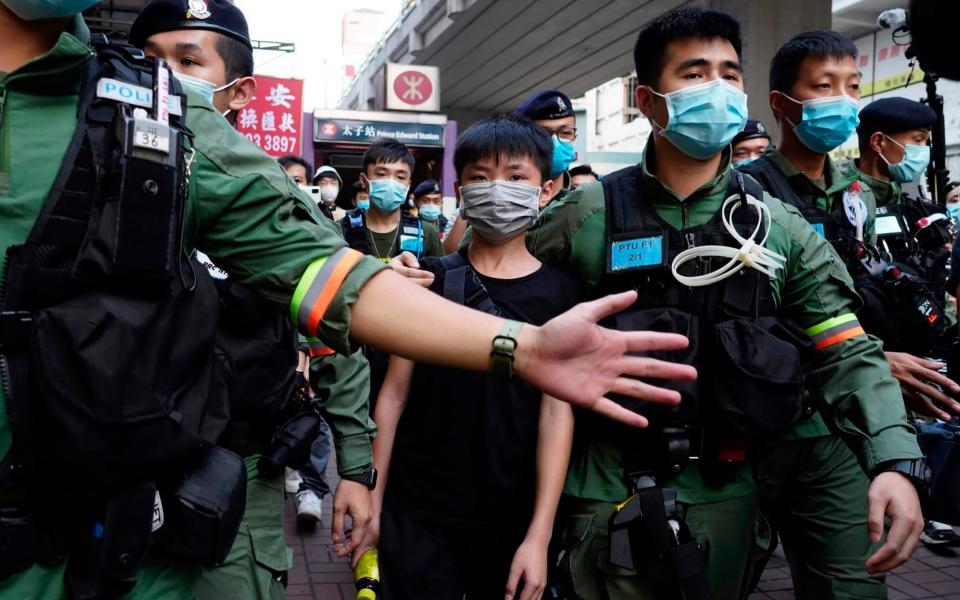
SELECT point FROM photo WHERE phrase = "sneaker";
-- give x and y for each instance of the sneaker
(939, 534)
(292, 481)
(309, 507)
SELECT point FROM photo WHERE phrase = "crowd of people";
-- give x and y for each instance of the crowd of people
(604, 386)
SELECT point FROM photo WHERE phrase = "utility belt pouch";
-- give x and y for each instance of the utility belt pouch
(202, 516)
(104, 560)
(647, 534)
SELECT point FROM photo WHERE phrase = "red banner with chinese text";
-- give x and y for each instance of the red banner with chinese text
(272, 119)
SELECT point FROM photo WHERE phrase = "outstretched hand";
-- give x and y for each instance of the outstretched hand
(574, 359)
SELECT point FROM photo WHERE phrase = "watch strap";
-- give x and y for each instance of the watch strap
(367, 477)
(504, 346)
(913, 469)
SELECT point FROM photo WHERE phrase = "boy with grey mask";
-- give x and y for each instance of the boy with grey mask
(472, 473)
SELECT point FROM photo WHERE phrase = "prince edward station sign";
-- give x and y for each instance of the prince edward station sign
(364, 127)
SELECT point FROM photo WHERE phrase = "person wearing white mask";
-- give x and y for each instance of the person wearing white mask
(329, 181)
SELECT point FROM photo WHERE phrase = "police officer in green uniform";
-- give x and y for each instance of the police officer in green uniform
(626, 232)
(894, 153)
(251, 219)
(553, 110)
(814, 91)
(913, 235)
(214, 53)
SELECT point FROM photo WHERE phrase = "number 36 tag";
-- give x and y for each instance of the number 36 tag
(151, 135)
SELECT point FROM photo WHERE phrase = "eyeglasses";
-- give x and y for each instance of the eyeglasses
(566, 134)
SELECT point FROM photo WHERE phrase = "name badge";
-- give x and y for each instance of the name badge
(636, 253)
(818, 227)
(119, 91)
(411, 243)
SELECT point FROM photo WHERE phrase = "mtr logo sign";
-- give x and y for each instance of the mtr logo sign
(412, 87)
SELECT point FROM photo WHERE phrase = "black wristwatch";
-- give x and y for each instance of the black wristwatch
(367, 478)
(913, 469)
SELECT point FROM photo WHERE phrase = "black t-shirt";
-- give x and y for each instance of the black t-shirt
(465, 450)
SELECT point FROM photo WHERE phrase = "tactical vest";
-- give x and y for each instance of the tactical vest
(900, 306)
(750, 362)
(107, 336)
(834, 225)
(903, 281)
(357, 235)
(915, 233)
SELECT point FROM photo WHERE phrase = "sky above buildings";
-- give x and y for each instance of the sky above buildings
(314, 26)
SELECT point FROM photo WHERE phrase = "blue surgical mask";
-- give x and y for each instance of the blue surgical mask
(911, 166)
(826, 122)
(704, 118)
(430, 212)
(363, 204)
(744, 162)
(201, 86)
(33, 10)
(563, 154)
(387, 194)
(954, 211)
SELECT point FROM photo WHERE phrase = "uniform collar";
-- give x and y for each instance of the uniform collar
(71, 50)
(716, 185)
(885, 192)
(836, 179)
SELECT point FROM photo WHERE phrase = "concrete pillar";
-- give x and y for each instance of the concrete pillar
(767, 24)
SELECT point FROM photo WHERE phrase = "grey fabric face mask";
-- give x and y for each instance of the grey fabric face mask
(499, 210)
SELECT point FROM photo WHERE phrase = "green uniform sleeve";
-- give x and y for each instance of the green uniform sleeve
(850, 379)
(432, 246)
(256, 224)
(344, 382)
(571, 234)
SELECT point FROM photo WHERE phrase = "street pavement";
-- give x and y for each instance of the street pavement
(319, 575)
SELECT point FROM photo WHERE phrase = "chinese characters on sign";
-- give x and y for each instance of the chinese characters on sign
(346, 130)
(272, 119)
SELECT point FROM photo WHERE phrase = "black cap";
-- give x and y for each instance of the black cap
(894, 115)
(430, 186)
(160, 16)
(582, 169)
(753, 130)
(547, 104)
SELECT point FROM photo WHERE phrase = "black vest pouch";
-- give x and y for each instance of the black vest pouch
(202, 515)
(122, 384)
(758, 375)
(664, 319)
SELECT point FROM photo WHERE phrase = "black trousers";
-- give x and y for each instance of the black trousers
(420, 559)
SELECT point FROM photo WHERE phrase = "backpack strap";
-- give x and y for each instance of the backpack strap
(461, 284)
